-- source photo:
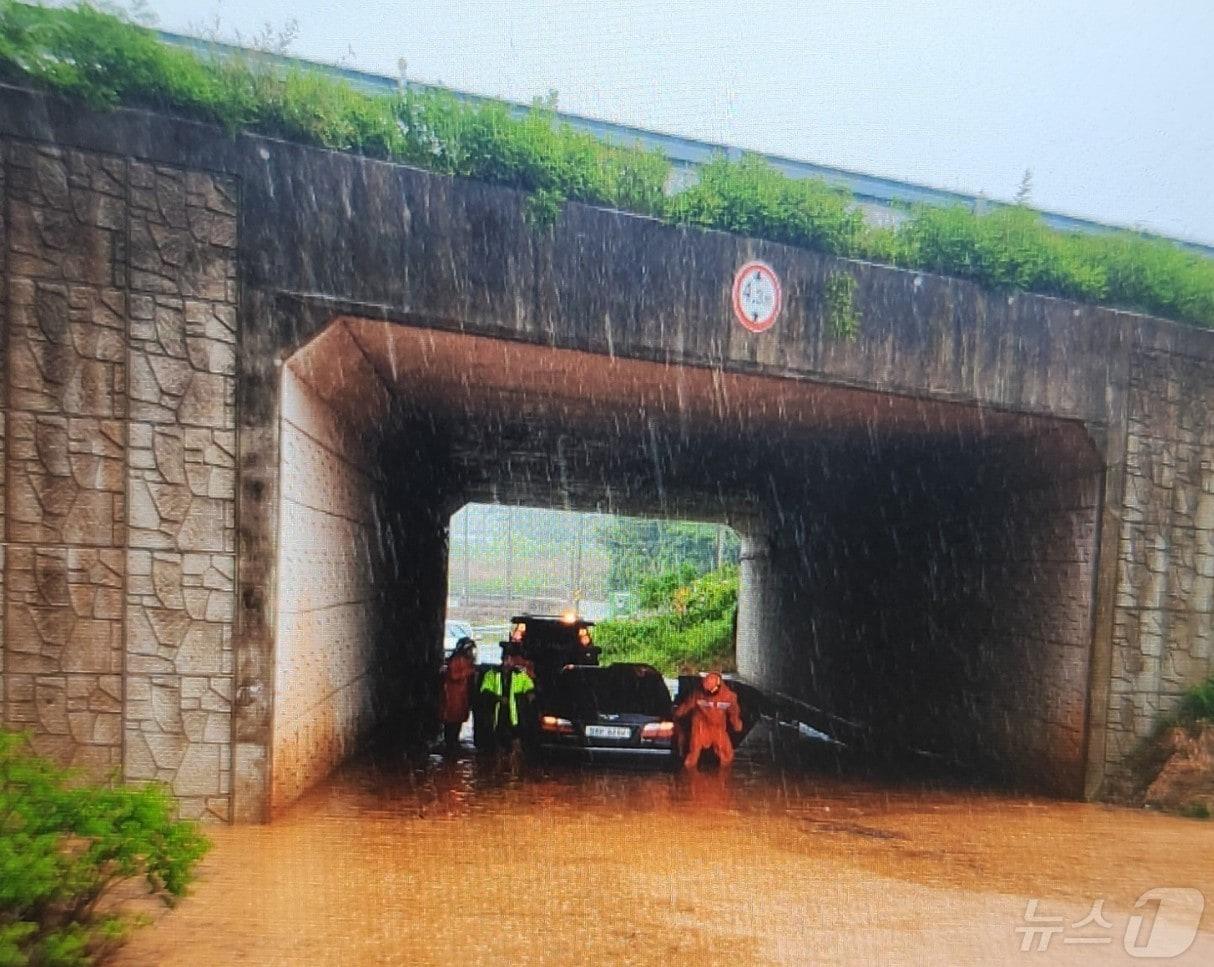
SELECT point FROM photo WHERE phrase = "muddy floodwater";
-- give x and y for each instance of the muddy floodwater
(425, 860)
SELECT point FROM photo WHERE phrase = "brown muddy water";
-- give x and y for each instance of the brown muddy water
(782, 861)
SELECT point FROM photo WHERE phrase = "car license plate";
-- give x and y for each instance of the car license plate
(608, 732)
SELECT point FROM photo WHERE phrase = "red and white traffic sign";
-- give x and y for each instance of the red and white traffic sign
(757, 296)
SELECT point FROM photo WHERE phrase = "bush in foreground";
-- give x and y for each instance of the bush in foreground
(64, 849)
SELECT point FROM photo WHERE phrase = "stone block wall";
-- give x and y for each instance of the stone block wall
(1163, 622)
(119, 450)
(334, 575)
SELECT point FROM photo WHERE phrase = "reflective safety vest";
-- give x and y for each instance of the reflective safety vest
(520, 684)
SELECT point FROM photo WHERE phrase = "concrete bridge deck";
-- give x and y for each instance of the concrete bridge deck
(246, 383)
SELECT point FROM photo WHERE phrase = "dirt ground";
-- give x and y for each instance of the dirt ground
(470, 861)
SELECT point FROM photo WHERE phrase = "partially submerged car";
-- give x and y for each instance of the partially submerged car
(622, 709)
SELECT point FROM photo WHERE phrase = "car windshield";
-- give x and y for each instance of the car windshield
(623, 690)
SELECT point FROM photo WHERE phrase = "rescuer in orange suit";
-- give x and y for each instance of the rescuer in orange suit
(458, 674)
(713, 711)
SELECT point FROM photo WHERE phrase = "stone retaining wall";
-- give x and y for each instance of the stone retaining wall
(120, 455)
(1164, 615)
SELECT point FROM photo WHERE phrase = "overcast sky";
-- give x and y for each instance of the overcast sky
(1110, 103)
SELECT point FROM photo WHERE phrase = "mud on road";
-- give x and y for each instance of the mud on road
(471, 861)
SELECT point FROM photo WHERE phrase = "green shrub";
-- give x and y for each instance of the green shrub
(1153, 275)
(82, 52)
(693, 625)
(65, 846)
(657, 590)
(534, 152)
(1010, 248)
(85, 53)
(842, 319)
(668, 645)
(1197, 705)
(750, 197)
(642, 549)
(1195, 810)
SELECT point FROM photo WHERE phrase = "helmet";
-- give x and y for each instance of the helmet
(712, 682)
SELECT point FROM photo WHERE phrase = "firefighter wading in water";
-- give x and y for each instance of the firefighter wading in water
(714, 712)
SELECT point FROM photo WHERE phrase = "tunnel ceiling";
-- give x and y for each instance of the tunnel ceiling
(533, 424)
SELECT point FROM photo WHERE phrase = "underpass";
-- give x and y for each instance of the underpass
(247, 383)
(900, 557)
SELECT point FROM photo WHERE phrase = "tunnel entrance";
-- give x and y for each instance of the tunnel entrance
(917, 571)
(662, 592)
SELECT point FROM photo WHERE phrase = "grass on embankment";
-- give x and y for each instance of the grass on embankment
(105, 61)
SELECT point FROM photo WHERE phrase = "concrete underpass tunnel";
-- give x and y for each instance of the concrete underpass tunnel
(917, 572)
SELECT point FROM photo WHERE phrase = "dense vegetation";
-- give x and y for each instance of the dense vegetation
(82, 52)
(64, 849)
(688, 624)
(643, 549)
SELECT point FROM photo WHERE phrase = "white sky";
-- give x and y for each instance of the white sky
(1109, 102)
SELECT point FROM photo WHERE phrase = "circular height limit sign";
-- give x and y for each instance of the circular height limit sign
(757, 296)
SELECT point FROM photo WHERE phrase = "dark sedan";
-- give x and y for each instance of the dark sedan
(610, 710)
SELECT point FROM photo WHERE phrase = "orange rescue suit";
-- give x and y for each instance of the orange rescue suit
(710, 716)
(457, 689)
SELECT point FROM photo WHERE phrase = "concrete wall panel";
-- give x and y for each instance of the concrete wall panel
(63, 459)
(332, 572)
(947, 608)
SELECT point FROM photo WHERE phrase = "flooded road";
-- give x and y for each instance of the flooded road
(472, 861)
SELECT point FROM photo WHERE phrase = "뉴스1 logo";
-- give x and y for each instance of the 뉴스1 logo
(1164, 925)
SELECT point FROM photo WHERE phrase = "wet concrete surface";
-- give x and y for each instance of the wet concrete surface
(785, 860)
